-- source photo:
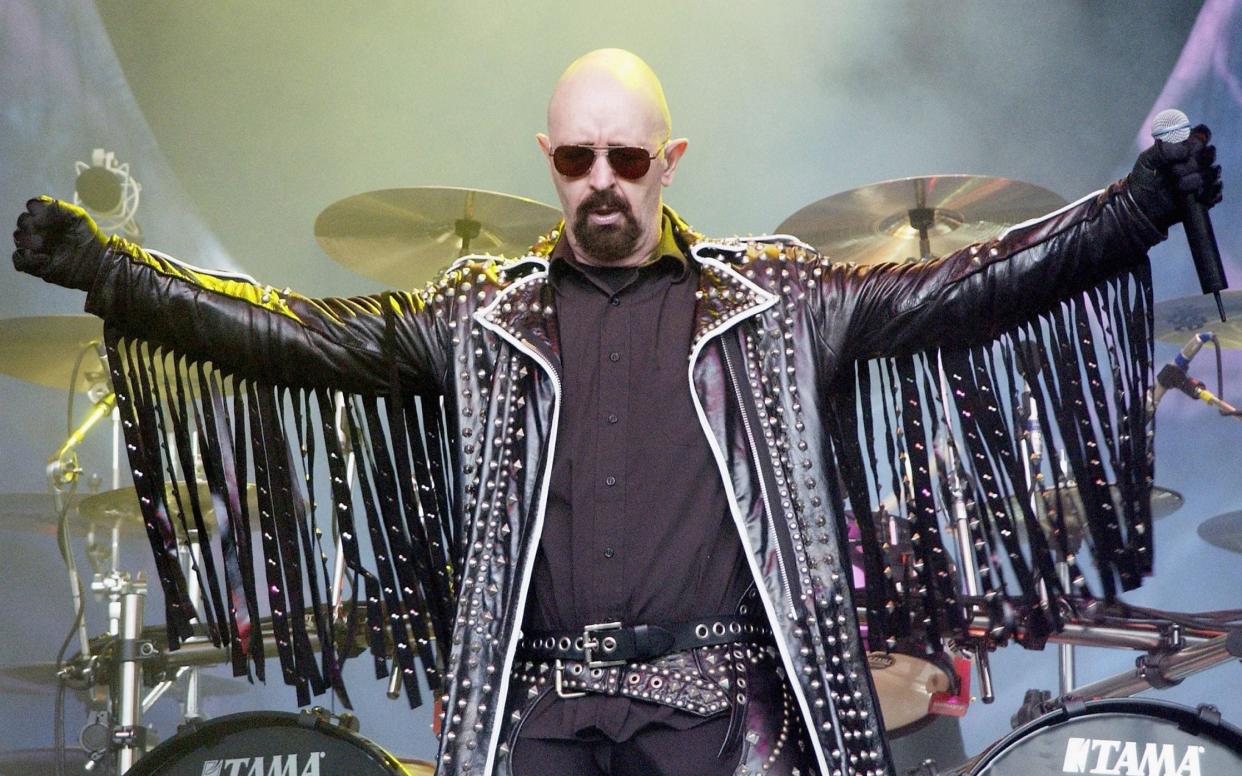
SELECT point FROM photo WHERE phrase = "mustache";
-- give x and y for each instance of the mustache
(604, 198)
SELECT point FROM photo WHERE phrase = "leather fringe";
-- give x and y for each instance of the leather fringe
(912, 430)
(186, 421)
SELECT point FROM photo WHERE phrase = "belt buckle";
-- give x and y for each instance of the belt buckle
(558, 676)
(607, 643)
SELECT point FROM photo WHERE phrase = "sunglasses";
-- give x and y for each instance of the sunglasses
(629, 162)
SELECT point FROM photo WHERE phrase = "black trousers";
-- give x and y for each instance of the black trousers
(652, 750)
(773, 741)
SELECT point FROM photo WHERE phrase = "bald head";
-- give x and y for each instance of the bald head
(608, 99)
(614, 82)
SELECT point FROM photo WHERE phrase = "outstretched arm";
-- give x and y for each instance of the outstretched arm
(246, 329)
(972, 295)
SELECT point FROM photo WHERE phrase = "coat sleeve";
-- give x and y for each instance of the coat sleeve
(970, 296)
(274, 336)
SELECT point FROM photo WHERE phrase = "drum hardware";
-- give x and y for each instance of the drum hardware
(274, 742)
(1164, 669)
(1118, 736)
(401, 237)
(344, 720)
(968, 570)
(128, 735)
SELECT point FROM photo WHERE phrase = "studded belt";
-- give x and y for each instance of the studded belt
(608, 644)
(702, 681)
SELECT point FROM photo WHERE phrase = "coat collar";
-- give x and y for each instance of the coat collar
(524, 312)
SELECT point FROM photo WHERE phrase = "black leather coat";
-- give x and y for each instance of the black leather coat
(774, 326)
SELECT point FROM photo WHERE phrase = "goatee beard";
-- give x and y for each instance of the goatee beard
(606, 243)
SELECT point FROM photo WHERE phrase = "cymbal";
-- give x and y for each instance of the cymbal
(35, 512)
(1177, 319)
(35, 678)
(879, 222)
(42, 349)
(1164, 502)
(1224, 531)
(121, 505)
(402, 237)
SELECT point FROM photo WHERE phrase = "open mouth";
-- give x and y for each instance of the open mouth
(606, 215)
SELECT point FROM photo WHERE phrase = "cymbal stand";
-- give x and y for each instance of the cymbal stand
(1032, 447)
(351, 464)
(63, 473)
(971, 586)
(338, 565)
(128, 734)
(467, 228)
(190, 555)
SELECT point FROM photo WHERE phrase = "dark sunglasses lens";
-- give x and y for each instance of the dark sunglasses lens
(573, 161)
(629, 162)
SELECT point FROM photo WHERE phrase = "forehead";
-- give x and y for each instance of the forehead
(603, 111)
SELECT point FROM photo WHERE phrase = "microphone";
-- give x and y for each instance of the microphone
(107, 190)
(1172, 126)
(1173, 374)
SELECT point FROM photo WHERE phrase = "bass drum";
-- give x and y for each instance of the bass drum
(271, 743)
(1120, 737)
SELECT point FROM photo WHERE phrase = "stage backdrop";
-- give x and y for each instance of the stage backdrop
(243, 121)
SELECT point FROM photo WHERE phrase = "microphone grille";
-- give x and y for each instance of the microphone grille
(1170, 126)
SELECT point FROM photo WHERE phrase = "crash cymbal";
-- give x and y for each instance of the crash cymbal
(881, 222)
(121, 505)
(36, 513)
(402, 237)
(1177, 319)
(43, 349)
(37, 678)
(1164, 502)
(1224, 531)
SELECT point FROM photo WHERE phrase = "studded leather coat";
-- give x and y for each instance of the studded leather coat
(775, 325)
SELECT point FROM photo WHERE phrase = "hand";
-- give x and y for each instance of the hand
(58, 242)
(1166, 172)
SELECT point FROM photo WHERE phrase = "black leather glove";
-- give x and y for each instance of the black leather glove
(58, 242)
(1167, 171)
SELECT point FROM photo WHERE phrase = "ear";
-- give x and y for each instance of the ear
(672, 154)
(545, 143)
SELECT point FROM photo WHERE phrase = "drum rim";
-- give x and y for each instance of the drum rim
(1220, 730)
(165, 752)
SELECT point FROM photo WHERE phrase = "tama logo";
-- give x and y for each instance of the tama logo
(1104, 757)
(276, 765)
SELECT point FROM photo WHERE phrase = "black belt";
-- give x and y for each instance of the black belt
(609, 644)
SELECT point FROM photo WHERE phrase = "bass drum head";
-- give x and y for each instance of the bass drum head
(267, 743)
(1126, 737)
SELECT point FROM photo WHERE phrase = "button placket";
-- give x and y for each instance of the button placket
(614, 391)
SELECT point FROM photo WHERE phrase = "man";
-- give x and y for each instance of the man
(650, 574)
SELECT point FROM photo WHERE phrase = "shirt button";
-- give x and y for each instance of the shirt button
(614, 356)
(613, 419)
(609, 552)
(615, 301)
(610, 480)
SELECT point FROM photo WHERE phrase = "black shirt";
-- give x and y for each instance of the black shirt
(637, 527)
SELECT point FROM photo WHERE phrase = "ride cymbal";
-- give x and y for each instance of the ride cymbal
(121, 506)
(1224, 531)
(1177, 319)
(42, 350)
(402, 237)
(910, 219)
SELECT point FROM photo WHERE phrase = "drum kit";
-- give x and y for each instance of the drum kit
(401, 238)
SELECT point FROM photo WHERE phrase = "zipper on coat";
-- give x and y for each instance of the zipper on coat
(753, 442)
